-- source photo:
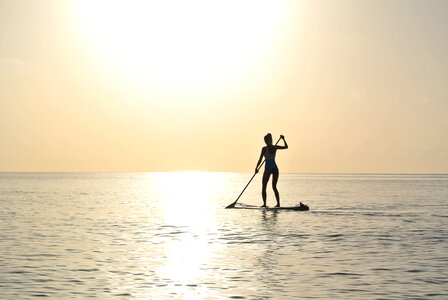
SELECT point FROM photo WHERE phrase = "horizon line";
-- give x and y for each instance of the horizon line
(199, 171)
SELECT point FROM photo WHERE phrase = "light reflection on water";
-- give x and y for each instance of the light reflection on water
(186, 197)
(168, 236)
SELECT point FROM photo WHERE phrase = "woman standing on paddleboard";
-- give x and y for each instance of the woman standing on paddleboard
(269, 152)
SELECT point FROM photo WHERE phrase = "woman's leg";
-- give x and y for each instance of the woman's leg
(265, 183)
(274, 187)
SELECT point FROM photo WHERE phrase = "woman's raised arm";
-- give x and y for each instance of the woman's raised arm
(284, 142)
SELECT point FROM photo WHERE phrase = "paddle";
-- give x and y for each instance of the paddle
(232, 205)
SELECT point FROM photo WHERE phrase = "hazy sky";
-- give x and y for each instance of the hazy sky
(355, 86)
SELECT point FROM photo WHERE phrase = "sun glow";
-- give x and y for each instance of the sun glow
(180, 46)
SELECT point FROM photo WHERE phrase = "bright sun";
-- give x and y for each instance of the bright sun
(181, 45)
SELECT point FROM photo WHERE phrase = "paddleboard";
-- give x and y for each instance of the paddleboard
(302, 207)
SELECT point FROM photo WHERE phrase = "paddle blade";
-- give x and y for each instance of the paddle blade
(231, 205)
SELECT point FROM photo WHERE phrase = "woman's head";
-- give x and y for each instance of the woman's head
(268, 139)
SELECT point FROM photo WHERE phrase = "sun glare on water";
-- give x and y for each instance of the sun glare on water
(187, 198)
(187, 195)
(180, 46)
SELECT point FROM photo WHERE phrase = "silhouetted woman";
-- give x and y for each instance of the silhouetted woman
(271, 167)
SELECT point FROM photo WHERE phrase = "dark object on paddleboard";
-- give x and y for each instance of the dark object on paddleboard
(300, 207)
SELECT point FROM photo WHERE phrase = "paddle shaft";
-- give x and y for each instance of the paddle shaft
(262, 163)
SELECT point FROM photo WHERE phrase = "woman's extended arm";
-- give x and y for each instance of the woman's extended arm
(259, 160)
(284, 142)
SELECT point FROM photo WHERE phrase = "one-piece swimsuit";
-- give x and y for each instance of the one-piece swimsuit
(271, 166)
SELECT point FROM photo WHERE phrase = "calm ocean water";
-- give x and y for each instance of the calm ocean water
(168, 236)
